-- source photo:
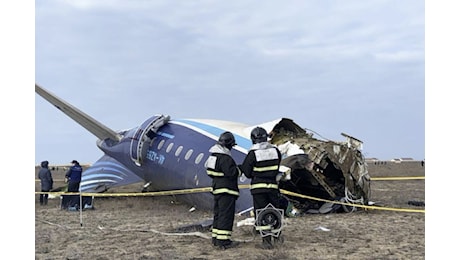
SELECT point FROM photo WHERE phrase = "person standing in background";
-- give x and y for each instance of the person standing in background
(73, 176)
(46, 182)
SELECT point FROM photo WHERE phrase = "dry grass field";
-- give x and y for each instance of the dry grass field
(147, 227)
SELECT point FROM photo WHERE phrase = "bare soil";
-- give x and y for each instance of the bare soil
(147, 227)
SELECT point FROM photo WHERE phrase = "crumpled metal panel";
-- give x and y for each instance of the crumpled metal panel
(332, 159)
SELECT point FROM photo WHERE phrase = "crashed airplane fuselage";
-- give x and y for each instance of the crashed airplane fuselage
(169, 155)
(339, 171)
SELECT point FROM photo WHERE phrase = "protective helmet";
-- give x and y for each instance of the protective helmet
(227, 139)
(258, 135)
(44, 164)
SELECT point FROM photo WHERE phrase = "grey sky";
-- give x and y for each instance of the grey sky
(332, 66)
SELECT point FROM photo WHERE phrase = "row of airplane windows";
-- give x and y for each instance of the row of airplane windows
(179, 150)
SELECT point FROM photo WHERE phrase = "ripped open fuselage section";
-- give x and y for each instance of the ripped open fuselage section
(334, 171)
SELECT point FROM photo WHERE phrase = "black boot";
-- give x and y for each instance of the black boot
(229, 244)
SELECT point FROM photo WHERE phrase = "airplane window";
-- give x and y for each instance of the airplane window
(160, 144)
(169, 148)
(199, 158)
(188, 154)
(179, 149)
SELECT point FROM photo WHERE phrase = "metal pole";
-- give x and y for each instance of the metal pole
(81, 211)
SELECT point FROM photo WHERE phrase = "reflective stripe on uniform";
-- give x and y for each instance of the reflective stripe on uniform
(216, 174)
(223, 237)
(225, 190)
(267, 168)
(264, 186)
(222, 234)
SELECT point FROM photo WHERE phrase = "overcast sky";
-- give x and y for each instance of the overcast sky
(332, 66)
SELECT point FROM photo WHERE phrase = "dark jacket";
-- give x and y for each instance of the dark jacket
(45, 178)
(262, 165)
(74, 173)
(223, 170)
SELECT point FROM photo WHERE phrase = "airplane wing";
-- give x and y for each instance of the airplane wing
(95, 127)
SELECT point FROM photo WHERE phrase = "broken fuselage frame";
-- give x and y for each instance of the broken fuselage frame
(339, 172)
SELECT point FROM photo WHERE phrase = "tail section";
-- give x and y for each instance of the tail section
(106, 173)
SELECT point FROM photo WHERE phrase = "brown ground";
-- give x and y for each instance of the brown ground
(144, 227)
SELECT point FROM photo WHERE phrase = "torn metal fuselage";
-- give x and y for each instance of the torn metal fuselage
(337, 171)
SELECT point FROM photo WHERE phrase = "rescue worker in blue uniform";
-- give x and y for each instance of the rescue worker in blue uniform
(224, 171)
(73, 176)
(261, 165)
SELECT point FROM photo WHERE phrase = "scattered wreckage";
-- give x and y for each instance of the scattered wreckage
(333, 171)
